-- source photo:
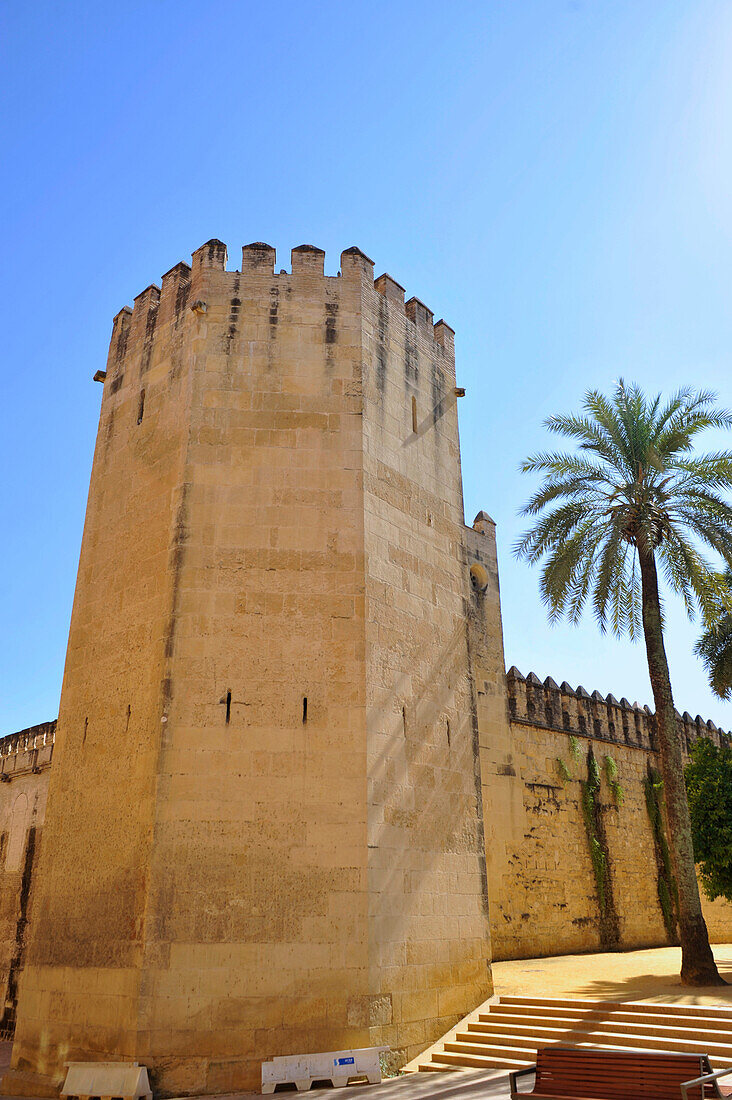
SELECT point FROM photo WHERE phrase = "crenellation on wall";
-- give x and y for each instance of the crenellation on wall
(390, 288)
(306, 259)
(258, 259)
(603, 718)
(28, 750)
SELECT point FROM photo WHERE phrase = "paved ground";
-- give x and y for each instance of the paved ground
(460, 1085)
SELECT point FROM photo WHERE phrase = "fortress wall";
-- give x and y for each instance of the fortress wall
(25, 760)
(544, 901)
(264, 824)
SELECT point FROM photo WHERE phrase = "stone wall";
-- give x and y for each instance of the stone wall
(264, 828)
(25, 760)
(544, 896)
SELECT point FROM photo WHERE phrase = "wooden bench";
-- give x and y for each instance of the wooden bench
(588, 1073)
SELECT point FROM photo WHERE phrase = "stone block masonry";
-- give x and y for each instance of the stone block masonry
(25, 762)
(543, 888)
(264, 826)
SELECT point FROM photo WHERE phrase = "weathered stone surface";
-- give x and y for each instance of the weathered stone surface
(264, 826)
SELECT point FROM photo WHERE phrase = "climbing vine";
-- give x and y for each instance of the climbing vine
(666, 885)
(611, 774)
(592, 813)
(590, 788)
(564, 772)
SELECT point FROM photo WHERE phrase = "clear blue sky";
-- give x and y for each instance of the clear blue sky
(551, 176)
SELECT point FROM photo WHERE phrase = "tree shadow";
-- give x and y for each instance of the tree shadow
(660, 988)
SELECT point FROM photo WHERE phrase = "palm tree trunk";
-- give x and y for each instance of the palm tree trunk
(697, 961)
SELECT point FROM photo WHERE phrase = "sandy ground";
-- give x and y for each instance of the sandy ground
(651, 975)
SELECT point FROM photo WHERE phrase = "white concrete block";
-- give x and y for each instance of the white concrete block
(106, 1080)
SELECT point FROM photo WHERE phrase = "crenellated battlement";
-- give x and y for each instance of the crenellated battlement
(548, 705)
(26, 751)
(180, 284)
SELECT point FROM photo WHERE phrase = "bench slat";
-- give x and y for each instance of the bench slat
(582, 1073)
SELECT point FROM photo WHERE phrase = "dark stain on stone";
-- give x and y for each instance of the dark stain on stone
(150, 322)
(381, 338)
(233, 318)
(177, 553)
(331, 314)
(147, 346)
(181, 297)
(438, 394)
(274, 305)
(116, 382)
(7, 1022)
(411, 363)
(120, 349)
(470, 626)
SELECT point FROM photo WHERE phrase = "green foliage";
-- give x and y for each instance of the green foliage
(715, 645)
(590, 789)
(709, 789)
(611, 774)
(574, 748)
(633, 485)
(666, 884)
(564, 773)
(599, 866)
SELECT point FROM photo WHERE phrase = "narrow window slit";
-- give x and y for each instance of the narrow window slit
(414, 414)
(86, 727)
(448, 732)
(404, 720)
(141, 407)
(228, 707)
(304, 709)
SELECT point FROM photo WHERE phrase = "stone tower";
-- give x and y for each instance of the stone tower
(264, 826)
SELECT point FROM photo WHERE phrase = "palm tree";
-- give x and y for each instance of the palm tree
(631, 501)
(715, 647)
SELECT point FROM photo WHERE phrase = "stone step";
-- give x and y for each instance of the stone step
(552, 1028)
(565, 1019)
(689, 1045)
(643, 1007)
(495, 1049)
(466, 1053)
(508, 1035)
(479, 1061)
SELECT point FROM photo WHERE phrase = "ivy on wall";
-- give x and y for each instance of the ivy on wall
(611, 773)
(592, 813)
(667, 892)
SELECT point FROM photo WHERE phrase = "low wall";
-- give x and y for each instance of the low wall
(544, 900)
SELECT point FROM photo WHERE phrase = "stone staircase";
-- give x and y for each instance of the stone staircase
(508, 1034)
